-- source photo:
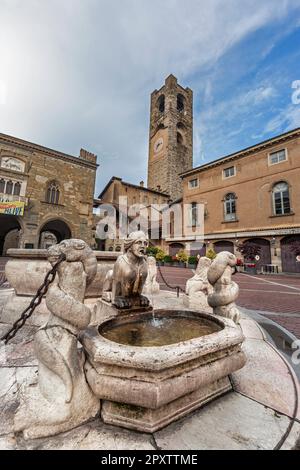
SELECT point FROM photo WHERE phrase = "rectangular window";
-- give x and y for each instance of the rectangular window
(282, 203)
(277, 157)
(193, 183)
(194, 214)
(228, 172)
(230, 211)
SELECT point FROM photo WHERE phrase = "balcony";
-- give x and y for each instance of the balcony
(13, 198)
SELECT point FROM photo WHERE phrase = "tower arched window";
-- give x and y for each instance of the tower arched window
(230, 206)
(161, 103)
(180, 102)
(179, 138)
(17, 188)
(2, 185)
(281, 198)
(53, 193)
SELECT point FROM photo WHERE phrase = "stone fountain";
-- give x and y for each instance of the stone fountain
(141, 368)
(151, 367)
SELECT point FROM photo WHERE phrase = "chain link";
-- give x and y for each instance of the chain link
(37, 299)
(177, 288)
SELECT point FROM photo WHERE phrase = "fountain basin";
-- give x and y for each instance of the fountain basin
(147, 387)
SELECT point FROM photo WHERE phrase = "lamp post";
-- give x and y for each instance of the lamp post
(273, 244)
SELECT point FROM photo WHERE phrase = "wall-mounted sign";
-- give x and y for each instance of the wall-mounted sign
(11, 163)
(257, 257)
(12, 208)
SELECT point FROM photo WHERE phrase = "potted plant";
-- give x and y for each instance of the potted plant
(182, 258)
(192, 262)
(250, 268)
(160, 256)
(152, 250)
(239, 265)
(168, 260)
(211, 254)
(175, 261)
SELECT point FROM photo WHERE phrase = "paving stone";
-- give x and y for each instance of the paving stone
(12, 382)
(266, 378)
(293, 439)
(251, 329)
(230, 422)
(93, 436)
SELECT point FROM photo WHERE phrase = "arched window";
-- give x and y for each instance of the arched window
(9, 187)
(161, 103)
(179, 138)
(2, 185)
(180, 102)
(281, 198)
(230, 206)
(17, 188)
(53, 193)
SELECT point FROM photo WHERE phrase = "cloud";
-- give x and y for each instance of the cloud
(286, 119)
(79, 73)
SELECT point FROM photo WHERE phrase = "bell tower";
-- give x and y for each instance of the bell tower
(170, 137)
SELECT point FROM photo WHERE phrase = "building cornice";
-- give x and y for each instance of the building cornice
(32, 147)
(245, 152)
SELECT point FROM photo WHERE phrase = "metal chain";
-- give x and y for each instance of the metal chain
(37, 299)
(177, 288)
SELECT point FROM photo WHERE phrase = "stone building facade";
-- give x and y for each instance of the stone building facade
(45, 195)
(134, 197)
(250, 197)
(170, 137)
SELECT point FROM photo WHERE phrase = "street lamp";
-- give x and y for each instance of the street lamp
(273, 243)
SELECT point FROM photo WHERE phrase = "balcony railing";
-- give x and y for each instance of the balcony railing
(12, 198)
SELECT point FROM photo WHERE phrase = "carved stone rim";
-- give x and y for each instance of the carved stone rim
(102, 350)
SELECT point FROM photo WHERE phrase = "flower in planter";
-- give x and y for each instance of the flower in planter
(192, 260)
(182, 256)
(160, 255)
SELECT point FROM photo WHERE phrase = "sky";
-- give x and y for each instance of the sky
(79, 73)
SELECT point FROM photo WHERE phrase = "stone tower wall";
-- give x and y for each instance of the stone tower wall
(173, 157)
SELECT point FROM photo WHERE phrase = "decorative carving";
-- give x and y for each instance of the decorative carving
(225, 291)
(124, 284)
(151, 285)
(62, 398)
(198, 287)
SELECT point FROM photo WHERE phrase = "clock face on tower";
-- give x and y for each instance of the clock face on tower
(158, 145)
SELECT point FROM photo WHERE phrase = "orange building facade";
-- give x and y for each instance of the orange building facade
(252, 198)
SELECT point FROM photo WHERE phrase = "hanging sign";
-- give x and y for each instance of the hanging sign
(12, 208)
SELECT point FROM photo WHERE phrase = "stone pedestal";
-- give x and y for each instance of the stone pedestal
(151, 420)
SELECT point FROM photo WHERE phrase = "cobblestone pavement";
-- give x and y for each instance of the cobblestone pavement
(276, 297)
